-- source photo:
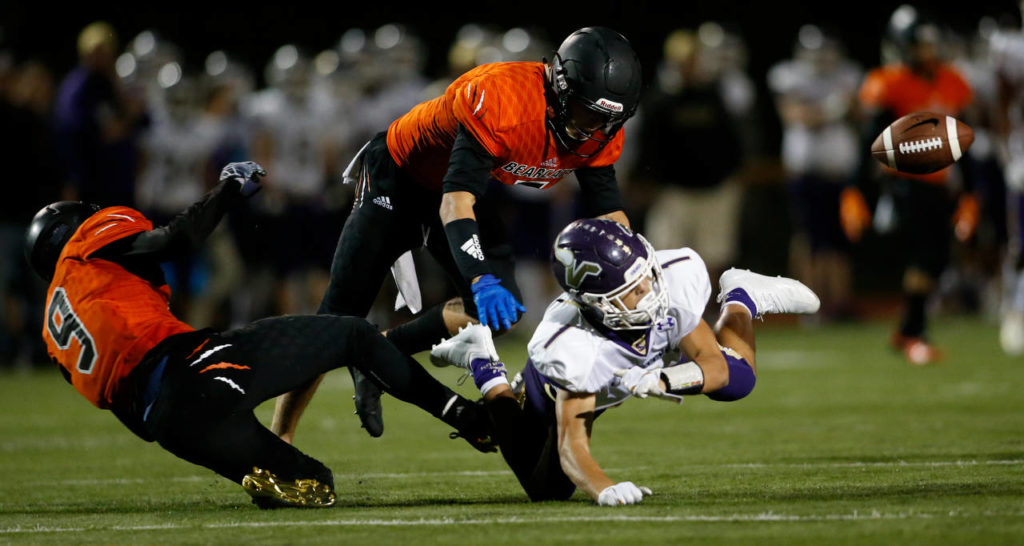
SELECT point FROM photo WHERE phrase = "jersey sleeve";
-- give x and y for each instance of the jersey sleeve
(689, 286)
(109, 225)
(477, 107)
(874, 89)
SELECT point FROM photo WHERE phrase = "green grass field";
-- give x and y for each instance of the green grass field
(841, 442)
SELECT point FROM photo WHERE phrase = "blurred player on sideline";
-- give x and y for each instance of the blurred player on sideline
(626, 311)
(109, 329)
(815, 93)
(923, 204)
(423, 183)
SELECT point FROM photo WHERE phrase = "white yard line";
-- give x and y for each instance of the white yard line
(471, 473)
(767, 517)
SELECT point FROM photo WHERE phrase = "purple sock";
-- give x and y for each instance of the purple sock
(487, 374)
(740, 296)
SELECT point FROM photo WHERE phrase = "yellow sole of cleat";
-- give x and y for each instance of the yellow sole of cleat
(306, 493)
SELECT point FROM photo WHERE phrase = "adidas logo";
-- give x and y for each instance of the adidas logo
(384, 201)
(472, 247)
(553, 162)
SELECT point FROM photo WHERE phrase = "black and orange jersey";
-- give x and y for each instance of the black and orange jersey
(101, 320)
(503, 106)
(900, 91)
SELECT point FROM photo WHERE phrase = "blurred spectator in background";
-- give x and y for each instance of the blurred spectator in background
(1007, 54)
(815, 95)
(692, 143)
(97, 125)
(973, 284)
(917, 78)
(26, 97)
(292, 139)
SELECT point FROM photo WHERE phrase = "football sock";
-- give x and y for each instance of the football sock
(739, 296)
(914, 316)
(420, 333)
(488, 374)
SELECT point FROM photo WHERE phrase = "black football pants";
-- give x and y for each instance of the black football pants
(391, 214)
(204, 410)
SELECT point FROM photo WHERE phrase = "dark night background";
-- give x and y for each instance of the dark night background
(47, 31)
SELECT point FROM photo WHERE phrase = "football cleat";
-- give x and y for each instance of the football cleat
(367, 400)
(916, 350)
(471, 422)
(769, 295)
(1011, 333)
(473, 341)
(269, 491)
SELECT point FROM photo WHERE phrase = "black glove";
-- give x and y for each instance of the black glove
(246, 173)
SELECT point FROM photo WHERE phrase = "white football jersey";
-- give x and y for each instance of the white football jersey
(571, 352)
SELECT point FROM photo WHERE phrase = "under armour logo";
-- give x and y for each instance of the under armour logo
(666, 324)
(472, 247)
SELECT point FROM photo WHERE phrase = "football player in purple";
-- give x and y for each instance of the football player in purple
(628, 325)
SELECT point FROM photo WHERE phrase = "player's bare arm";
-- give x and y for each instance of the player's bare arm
(617, 216)
(701, 346)
(575, 419)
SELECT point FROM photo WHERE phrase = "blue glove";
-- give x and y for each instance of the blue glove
(246, 173)
(495, 305)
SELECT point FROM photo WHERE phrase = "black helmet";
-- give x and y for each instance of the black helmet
(50, 230)
(909, 27)
(593, 87)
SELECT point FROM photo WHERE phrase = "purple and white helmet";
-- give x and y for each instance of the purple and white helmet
(597, 262)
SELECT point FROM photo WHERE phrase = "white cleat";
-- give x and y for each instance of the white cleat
(473, 341)
(1011, 333)
(771, 295)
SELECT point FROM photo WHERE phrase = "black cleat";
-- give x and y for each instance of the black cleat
(471, 422)
(367, 399)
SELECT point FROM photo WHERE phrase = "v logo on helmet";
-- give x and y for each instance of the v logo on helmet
(576, 272)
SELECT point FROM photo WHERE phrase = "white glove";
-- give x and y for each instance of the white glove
(622, 493)
(641, 382)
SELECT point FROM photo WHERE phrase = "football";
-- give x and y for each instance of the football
(922, 143)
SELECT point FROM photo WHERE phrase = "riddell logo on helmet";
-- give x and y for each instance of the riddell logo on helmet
(611, 105)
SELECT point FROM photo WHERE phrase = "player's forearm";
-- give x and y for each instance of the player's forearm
(617, 216)
(182, 235)
(463, 234)
(457, 205)
(289, 408)
(581, 468)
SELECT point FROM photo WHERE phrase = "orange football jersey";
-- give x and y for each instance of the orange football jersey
(100, 319)
(503, 107)
(897, 89)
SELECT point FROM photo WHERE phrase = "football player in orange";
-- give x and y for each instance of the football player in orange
(922, 203)
(109, 330)
(424, 180)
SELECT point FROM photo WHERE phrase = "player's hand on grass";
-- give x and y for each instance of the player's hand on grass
(496, 307)
(641, 382)
(622, 493)
(246, 173)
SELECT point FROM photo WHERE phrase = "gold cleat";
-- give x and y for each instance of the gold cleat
(269, 491)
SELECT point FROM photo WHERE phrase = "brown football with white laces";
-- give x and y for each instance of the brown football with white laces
(922, 143)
